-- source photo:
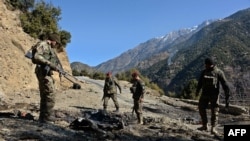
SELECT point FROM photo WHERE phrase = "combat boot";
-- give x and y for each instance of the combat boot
(105, 110)
(140, 119)
(117, 110)
(47, 120)
(214, 131)
(203, 128)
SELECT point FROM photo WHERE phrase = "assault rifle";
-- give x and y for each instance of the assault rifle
(66, 75)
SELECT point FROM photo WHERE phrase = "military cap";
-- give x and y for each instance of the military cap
(109, 73)
(209, 61)
(135, 74)
(54, 37)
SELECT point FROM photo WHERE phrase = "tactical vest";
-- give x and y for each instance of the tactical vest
(48, 53)
(210, 79)
(110, 87)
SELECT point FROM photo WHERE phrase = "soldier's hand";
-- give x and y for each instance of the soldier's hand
(120, 91)
(141, 100)
(53, 67)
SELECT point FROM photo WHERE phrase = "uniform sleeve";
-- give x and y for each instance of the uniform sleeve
(224, 83)
(117, 84)
(105, 85)
(199, 86)
(38, 56)
(142, 86)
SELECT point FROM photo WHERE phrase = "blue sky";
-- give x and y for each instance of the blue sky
(103, 29)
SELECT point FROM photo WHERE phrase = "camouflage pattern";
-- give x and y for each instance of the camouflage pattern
(47, 94)
(110, 91)
(43, 55)
(137, 95)
(209, 81)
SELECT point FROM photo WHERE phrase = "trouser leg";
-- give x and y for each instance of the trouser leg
(47, 101)
(115, 100)
(138, 111)
(203, 103)
(105, 102)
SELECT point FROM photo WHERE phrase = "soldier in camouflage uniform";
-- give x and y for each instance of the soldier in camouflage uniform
(45, 57)
(209, 81)
(110, 91)
(138, 90)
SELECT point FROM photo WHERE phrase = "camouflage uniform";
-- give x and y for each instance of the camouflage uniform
(110, 91)
(138, 90)
(45, 56)
(209, 82)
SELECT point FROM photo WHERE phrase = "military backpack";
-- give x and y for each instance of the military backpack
(31, 53)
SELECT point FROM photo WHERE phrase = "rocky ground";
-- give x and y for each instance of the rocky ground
(80, 117)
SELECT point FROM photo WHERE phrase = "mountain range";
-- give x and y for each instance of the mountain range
(173, 60)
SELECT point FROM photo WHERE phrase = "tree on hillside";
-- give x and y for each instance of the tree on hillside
(23, 5)
(188, 92)
(42, 20)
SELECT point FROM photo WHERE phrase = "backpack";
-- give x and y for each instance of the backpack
(210, 79)
(31, 53)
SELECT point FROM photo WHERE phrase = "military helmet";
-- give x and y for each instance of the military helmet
(54, 37)
(209, 61)
(135, 74)
(108, 73)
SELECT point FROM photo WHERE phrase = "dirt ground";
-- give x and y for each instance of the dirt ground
(164, 119)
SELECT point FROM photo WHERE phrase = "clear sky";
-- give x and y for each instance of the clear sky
(103, 29)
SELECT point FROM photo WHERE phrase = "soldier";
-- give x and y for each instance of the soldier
(209, 81)
(45, 58)
(110, 91)
(138, 90)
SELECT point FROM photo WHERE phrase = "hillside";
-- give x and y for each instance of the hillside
(17, 72)
(150, 52)
(173, 60)
(226, 41)
(178, 57)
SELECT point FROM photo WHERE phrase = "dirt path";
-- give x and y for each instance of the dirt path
(165, 118)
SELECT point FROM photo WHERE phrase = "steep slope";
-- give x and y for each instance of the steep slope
(173, 60)
(78, 66)
(226, 41)
(150, 52)
(17, 72)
